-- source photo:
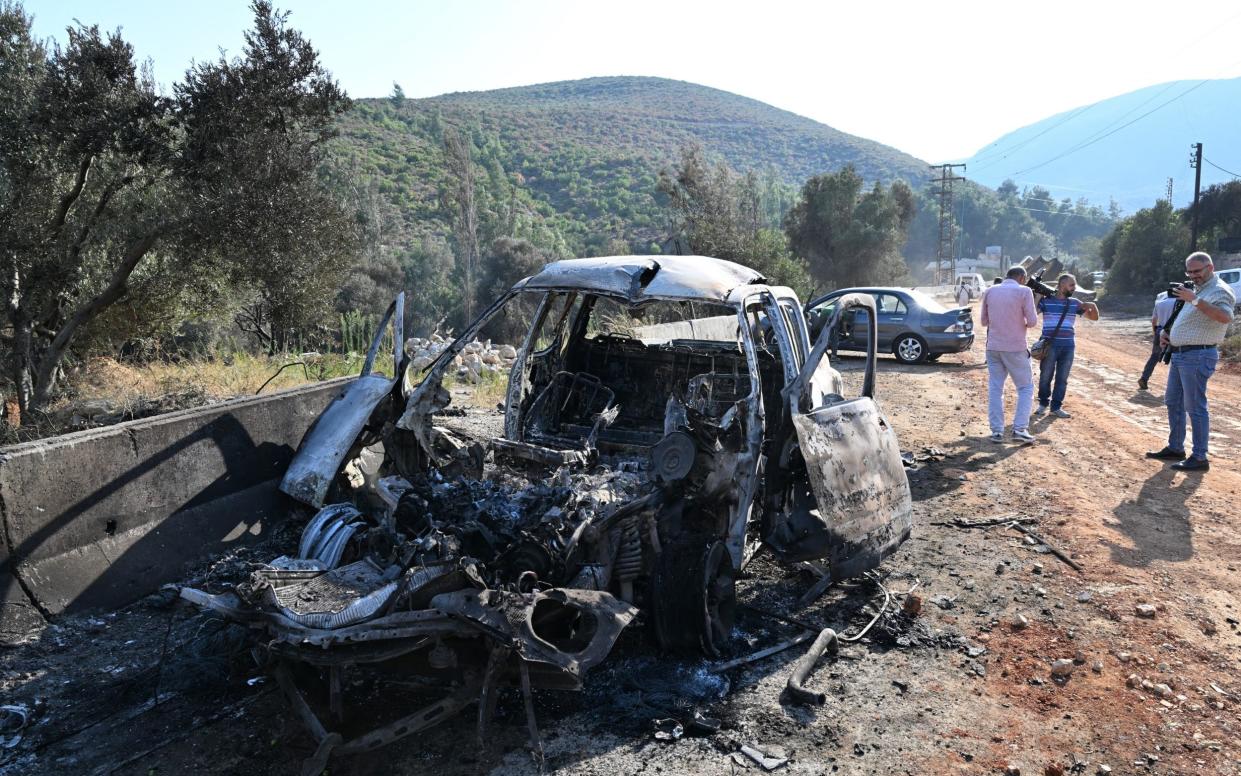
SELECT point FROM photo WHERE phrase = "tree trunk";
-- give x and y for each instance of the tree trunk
(23, 338)
(461, 165)
(48, 368)
(23, 363)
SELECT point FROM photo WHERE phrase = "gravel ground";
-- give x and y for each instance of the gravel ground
(966, 686)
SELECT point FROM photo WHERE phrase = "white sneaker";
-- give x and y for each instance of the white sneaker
(997, 438)
(1061, 414)
(1038, 413)
(1023, 436)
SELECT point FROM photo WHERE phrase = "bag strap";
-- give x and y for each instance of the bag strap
(1060, 322)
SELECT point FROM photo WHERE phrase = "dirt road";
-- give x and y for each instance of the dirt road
(1143, 534)
(964, 687)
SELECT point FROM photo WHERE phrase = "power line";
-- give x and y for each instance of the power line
(1221, 169)
(983, 161)
(1082, 110)
(1166, 88)
(1110, 124)
(1053, 212)
(1091, 141)
(1063, 187)
(1046, 199)
(1096, 139)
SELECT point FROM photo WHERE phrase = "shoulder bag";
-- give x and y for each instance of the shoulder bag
(1042, 345)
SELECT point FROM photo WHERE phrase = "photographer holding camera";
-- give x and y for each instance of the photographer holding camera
(1060, 313)
(1007, 311)
(1193, 339)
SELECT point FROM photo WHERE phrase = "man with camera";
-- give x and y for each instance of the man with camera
(1007, 311)
(1197, 325)
(1060, 311)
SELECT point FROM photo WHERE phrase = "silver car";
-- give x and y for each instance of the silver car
(911, 325)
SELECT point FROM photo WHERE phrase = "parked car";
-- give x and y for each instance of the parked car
(912, 325)
(665, 418)
(1232, 277)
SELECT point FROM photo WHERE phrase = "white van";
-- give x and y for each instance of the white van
(973, 281)
(1233, 278)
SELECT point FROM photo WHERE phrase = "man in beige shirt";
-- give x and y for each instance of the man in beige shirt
(1194, 339)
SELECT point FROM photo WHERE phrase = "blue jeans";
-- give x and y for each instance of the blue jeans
(1153, 361)
(1186, 394)
(1056, 366)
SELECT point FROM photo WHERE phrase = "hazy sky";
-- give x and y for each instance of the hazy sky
(938, 80)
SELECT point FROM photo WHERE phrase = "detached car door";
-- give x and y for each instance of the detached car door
(853, 465)
(329, 441)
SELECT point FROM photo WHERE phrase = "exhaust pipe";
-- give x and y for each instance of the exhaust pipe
(801, 671)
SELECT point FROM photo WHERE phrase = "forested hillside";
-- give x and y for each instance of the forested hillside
(573, 168)
(586, 155)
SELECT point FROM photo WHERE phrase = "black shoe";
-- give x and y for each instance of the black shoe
(1167, 454)
(1142, 385)
(1193, 465)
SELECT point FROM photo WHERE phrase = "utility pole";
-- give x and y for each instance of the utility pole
(945, 249)
(1195, 162)
(1168, 191)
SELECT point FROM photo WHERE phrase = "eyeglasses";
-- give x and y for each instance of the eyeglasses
(1192, 272)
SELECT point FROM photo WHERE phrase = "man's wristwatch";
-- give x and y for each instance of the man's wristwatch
(1195, 301)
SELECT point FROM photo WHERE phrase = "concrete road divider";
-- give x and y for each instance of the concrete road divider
(99, 518)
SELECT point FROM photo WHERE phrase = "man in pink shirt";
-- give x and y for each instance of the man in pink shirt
(1008, 312)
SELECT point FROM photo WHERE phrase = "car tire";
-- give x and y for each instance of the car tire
(909, 349)
(694, 598)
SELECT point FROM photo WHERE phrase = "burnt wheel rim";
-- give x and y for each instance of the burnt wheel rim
(719, 598)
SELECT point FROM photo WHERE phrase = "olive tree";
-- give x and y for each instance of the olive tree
(108, 187)
(850, 235)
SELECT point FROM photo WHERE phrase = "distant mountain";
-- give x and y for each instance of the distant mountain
(1128, 145)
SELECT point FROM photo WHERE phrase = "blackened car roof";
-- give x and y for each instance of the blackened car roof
(639, 278)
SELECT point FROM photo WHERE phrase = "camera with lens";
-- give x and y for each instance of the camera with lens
(1037, 285)
(1188, 285)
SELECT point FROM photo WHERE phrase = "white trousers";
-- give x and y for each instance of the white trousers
(1002, 364)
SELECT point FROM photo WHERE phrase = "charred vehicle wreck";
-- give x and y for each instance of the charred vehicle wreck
(664, 419)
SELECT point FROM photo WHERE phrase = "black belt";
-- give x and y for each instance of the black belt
(1183, 348)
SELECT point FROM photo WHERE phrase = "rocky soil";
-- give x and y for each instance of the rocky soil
(1014, 663)
(476, 359)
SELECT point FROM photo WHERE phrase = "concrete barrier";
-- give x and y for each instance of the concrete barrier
(946, 292)
(717, 328)
(99, 518)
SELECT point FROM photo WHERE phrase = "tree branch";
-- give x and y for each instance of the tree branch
(115, 289)
(76, 249)
(250, 320)
(66, 202)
